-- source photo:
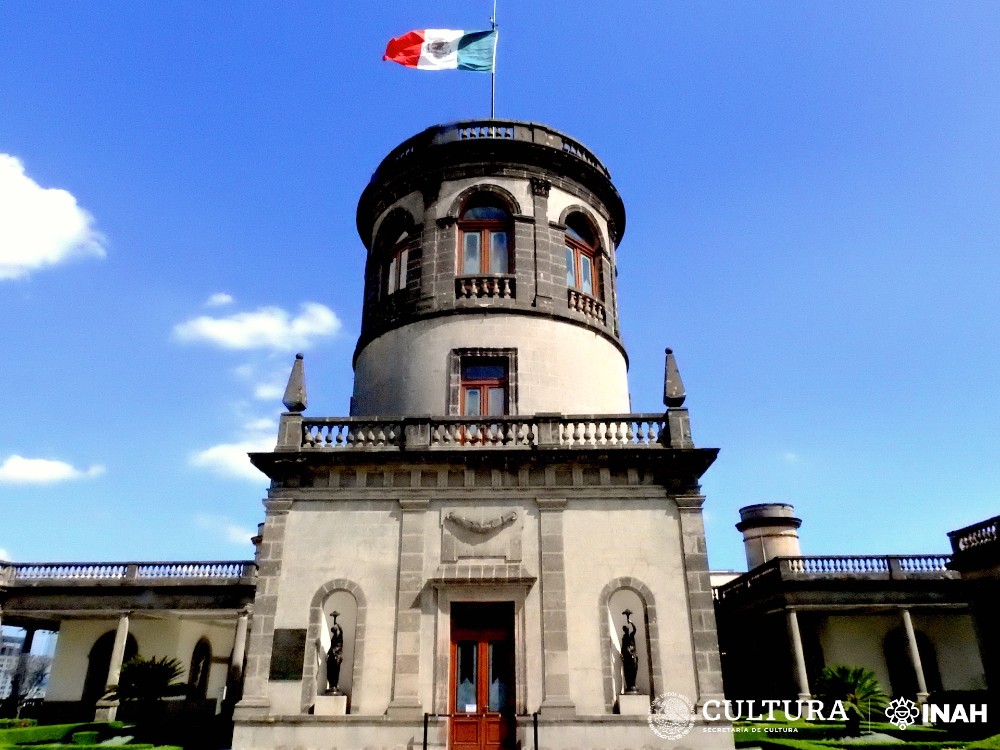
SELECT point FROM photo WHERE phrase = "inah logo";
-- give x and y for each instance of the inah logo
(671, 716)
(902, 712)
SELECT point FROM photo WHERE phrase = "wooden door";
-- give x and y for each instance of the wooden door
(482, 676)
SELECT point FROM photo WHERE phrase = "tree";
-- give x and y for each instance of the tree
(857, 688)
(149, 680)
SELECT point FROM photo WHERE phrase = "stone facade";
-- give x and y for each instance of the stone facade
(419, 515)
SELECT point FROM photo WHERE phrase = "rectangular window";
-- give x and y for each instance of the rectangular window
(570, 268)
(484, 387)
(586, 275)
(397, 273)
(471, 253)
(498, 253)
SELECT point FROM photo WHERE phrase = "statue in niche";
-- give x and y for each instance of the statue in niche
(335, 656)
(630, 657)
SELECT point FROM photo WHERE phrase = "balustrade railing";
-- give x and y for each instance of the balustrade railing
(423, 433)
(587, 305)
(486, 131)
(885, 567)
(351, 433)
(511, 130)
(977, 535)
(468, 287)
(208, 572)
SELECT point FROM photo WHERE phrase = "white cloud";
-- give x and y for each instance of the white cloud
(39, 226)
(230, 459)
(4, 555)
(265, 328)
(264, 424)
(791, 457)
(20, 470)
(219, 299)
(230, 531)
(268, 391)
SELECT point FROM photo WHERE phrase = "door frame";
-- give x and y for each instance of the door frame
(516, 593)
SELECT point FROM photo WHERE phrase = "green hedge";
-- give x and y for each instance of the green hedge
(16, 723)
(54, 733)
(770, 743)
(990, 743)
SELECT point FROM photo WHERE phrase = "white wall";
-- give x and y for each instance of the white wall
(561, 367)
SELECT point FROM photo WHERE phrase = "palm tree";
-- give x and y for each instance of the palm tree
(149, 680)
(857, 688)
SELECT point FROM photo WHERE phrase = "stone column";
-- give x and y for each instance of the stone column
(255, 702)
(918, 667)
(708, 664)
(798, 655)
(239, 645)
(406, 675)
(556, 698)
(118, 650)
(549, 265)
(107, 710)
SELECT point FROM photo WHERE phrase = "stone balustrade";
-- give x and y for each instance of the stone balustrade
(875, 567)
(587, 305)
(976, 536)
(494, 129)
(478, 287)
(13, 574)
(540, 431)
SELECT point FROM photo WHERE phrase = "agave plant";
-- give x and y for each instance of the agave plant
(856, 688)
(149, 680)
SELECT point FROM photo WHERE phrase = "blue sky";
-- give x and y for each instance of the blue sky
(813, 228)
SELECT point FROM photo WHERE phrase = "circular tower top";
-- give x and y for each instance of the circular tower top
(491, 257)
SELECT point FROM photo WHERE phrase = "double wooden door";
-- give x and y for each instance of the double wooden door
(482, 676)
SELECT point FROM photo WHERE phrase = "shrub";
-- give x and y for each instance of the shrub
(857, 688)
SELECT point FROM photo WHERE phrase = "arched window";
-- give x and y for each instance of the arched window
(898, 661)
(484, 237)
(98, 663)
(399, 260)
(201, 664)
(582, 256)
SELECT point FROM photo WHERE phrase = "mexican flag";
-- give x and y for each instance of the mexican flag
(444, 49)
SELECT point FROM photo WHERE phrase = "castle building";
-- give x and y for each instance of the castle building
(491, 548)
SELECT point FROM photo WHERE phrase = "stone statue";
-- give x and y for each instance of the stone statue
(630, 658)
(335, 656)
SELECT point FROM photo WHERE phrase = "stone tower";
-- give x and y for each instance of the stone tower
(491, 545)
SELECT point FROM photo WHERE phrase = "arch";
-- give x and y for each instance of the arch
(588, 213)
(902, 675)
(201, 665)
(310, 672)
(395, 227)
(98, 663)
(486, 189)
(610, 660)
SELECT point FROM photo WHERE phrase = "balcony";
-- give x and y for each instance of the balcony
(605, 431)
(485, 287)
(590, 307)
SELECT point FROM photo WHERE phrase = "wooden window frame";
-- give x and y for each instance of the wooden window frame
(484, 385)
(485, 229)
(582, 250)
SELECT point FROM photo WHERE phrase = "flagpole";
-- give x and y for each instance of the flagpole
(493, 70)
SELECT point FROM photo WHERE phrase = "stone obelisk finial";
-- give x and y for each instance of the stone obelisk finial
(673, 386)
(295, 392)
